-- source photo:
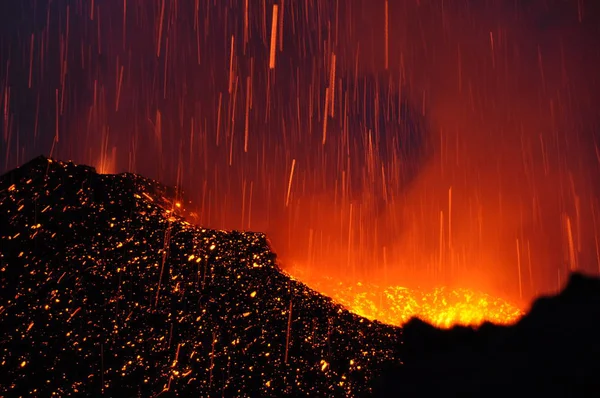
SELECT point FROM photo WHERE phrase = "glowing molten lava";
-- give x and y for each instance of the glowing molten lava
(395, 305)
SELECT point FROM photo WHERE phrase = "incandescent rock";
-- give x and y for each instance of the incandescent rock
(554, 350)
(107, 290)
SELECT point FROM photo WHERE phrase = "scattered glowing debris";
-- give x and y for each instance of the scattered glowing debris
(396, 305)
(88, 285)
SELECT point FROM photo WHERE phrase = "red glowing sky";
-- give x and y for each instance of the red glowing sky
(504, 194)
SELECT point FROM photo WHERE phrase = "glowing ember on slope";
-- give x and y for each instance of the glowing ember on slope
(107, 291)
(395, 305)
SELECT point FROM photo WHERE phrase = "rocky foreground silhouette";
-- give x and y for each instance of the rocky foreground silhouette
(554, 351)
(107, 290)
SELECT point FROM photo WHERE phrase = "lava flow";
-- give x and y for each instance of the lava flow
(395, 305)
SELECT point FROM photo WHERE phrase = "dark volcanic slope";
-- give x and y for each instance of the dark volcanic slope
(104, 290)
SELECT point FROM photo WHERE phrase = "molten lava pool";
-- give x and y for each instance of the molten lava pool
(395, 305)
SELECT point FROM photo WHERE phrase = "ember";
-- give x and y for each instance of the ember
(395, 305)
(107, 290)
(362, 130)
(451, 145)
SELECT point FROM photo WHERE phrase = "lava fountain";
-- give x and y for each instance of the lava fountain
(436, 146)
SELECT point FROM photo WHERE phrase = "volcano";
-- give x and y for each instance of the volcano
(106, 289)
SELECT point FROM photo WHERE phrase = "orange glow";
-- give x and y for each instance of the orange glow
(290, 120)
(442, 306)
(107, 162)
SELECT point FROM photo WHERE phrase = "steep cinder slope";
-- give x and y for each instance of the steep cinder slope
(106, 289)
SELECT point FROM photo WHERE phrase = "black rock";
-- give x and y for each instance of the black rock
(554, 350)
(106, 289)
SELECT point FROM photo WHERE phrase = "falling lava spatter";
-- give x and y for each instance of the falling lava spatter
(388, 141)
(443, 307)
(108, 291)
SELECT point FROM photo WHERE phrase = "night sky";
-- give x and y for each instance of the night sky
(419, 142)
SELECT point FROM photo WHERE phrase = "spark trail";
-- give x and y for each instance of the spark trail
(381, 106)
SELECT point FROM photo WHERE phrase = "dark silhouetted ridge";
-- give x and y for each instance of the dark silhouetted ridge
(107, 290)
(554, 351)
